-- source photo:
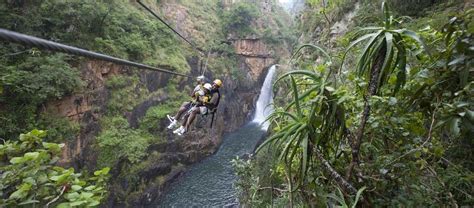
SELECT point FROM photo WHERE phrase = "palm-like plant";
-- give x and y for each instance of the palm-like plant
(313, 118)
(384, 55)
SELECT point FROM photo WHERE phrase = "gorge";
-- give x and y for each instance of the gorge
(347, 103)
(210, 182)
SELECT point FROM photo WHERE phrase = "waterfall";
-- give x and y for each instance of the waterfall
(264, 107)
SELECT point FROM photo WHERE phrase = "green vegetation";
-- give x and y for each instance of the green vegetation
(30, 178)
(384, 56)
(286, 36)
(119, 141)
(60, 128)
(321, 14)
(239, 18)
(156, 113)
(204, 17)
(412, 7)
(30, 82)
(29, 78)
(393, 127)
(124, 147)
(126, 92)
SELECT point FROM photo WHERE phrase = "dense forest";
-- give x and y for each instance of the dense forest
(373, 104)
(379, 116)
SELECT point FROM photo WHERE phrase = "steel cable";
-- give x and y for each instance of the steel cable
(53, 46)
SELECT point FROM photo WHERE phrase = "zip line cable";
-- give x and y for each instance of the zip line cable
(205, 65)
(200, 51)
(23, 39)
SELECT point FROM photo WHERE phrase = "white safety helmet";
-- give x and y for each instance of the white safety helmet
(208, 86)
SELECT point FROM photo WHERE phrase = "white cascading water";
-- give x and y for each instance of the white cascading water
(264, 103)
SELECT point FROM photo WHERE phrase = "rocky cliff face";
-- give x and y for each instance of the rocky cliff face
(85, 108)
(255, 55)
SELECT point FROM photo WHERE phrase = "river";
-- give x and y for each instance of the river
(210, 182)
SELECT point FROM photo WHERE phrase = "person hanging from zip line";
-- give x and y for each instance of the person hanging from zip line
(203, 108)
(201, 80)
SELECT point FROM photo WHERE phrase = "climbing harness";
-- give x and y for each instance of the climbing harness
(214, 111)
(212, 118)
(58, 47)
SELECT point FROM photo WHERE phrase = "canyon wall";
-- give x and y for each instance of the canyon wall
(167, 158)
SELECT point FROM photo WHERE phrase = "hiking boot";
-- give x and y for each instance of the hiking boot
(173, 124)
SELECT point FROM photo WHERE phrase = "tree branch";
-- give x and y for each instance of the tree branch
(273, 188)
(335, 175)
(57, 197)
(14, 54)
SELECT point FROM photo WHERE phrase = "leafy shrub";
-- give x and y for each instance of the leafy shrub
(412, 7)
(417, 141)
(60, 129)
(126, 92)
(118, 141)
(118, 81)
(30, 83)
(39, 78)
(155, 114)
(247, 184)
(28, 176)
(239, 18)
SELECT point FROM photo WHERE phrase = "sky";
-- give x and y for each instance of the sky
(286, 3)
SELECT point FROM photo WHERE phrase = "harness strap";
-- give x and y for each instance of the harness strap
(212, 119)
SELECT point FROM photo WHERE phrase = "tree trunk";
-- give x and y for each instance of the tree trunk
(290, 189)
(335, 175)
(372, 90)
